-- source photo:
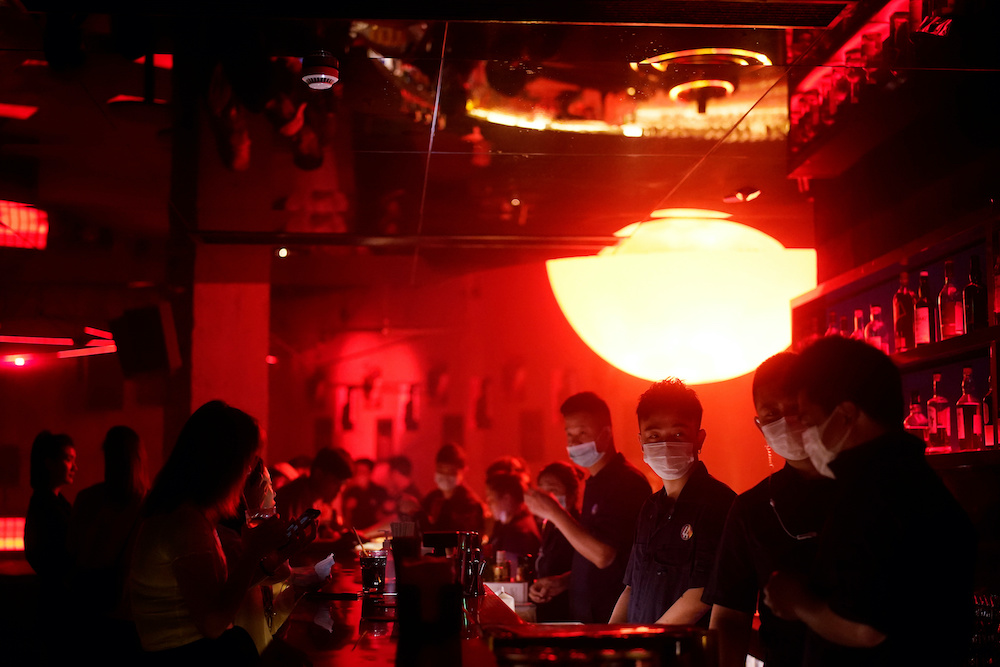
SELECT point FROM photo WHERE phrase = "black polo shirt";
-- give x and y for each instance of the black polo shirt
(675, 544)
(555, 557)
(897, 553)
(754, 545)
(463, 511)
(611, 502)
(518, 536)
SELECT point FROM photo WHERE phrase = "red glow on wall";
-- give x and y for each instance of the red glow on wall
(12, 533)
(23, 226)
(271, 359)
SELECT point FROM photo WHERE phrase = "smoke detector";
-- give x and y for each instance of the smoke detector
(320, 70)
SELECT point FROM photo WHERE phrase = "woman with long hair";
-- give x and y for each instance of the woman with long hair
(184, 594)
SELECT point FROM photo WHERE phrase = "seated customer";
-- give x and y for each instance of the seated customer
(363, 500)
(555, 555)
(892, 580)
(679, 526)
(773, 526)
(328, 472)
(514, 528)
(452, 506)
(184, 593)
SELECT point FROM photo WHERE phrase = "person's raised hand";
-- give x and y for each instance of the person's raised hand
(542, 504)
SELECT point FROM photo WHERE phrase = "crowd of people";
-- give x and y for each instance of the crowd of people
(853, 552)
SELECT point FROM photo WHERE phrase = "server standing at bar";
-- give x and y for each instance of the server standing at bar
(773, 526)
(612, 497)
(452, 506)
(680, 525)
(892, 580)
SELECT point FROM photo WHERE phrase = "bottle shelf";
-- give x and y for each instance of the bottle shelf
(959, 348)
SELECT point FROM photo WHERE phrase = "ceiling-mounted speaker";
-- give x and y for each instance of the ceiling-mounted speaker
(320, 70)
(147, 340)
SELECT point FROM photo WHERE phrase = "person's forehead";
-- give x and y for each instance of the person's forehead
(667, 418)
(580, 420)
(447, 468)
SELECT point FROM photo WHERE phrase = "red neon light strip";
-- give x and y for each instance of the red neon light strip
(12, 358)
(97, 333)
(17, 111)
(87, 351)
(36, 340)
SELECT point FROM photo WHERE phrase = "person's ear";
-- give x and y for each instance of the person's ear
(699, 440)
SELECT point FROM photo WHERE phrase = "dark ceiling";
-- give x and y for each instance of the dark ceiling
(393, 159)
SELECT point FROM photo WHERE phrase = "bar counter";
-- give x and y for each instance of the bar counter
(338, 626)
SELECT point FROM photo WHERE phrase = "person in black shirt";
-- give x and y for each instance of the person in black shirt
(452, 506)
(46, 525)
(514, 529)
(363, 500)
(555, 555)
(773, 526)
(679, 526)
(892, 580)
(602, 537)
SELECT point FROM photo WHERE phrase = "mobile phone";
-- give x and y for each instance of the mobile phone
(300, 528)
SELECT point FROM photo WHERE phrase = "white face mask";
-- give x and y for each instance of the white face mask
(446, 482)
(584, 455)
(780, 438)
(669, 460)
(502, 516)
(820, 454)
(562, 501)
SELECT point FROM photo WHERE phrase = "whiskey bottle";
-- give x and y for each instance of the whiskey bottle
(831, 324)
(939, 419)
(923, 313)
(859, 325)
(951, 313)
(875, 331)
(974, 299)
(968, 410)
(903, 306)
(916, 423)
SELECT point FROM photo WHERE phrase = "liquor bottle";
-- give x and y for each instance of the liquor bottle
(875, 331)
(974, 298)
(968, 410)
(916, 423)
(845, 327)
(939, 418)
(831, 324)
(951, 313)
(903, 305)
(989, 430)
(859, 325)
(923, 312)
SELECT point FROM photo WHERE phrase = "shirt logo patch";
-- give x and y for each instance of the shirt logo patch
(687, 532)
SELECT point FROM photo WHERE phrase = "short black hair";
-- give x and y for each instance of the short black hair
(46, 447)
(333, 461)
(568, 475)
(669, 394)
(368, 463)
(511, 464)
(777, 371)
(835, 369)
(450, 454)
(507, 484)
(587, 402)
(401, 464)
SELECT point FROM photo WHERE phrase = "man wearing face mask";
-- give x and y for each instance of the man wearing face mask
(452, 506)
(892, 580)
(514, 530)
(773, 526)
(612, 497)
(679, 526)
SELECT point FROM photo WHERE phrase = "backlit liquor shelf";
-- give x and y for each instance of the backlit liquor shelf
(871, 76)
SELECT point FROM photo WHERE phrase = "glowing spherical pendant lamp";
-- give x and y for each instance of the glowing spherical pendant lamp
(687, 294)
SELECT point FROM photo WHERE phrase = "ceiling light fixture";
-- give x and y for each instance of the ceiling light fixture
(737, 315)
(745, 194)
(320, 70)
(698, 75)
